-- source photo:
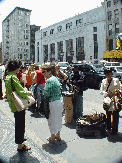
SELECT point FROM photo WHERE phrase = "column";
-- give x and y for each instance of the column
(48, 51)
(64, 50)
(74, 49)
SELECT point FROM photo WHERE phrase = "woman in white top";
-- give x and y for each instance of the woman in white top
(108, 89)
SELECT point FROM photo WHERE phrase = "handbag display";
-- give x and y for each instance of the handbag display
(20, 103)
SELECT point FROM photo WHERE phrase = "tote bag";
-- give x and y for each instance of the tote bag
(20, 103)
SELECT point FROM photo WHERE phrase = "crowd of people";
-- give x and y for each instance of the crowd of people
(48, 81)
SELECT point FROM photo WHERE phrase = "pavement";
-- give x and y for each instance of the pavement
(71, 149)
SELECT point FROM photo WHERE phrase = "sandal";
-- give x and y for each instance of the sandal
(49, 139)
(24, 148)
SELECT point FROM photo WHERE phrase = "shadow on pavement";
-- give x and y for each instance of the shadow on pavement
(56, 148)
(70, 125)
(23, 157)
(115, 138)
(96, 135)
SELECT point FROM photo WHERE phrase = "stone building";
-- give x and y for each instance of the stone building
(80, 37)
(33, 29)
(16, 35)
(113, 22)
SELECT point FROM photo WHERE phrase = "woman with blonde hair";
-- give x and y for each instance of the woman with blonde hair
(52, 90)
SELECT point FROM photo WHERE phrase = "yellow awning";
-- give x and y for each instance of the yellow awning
(112, 54)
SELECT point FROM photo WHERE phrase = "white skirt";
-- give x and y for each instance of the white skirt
(55, 116)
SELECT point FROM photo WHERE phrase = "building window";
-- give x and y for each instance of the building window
(116, 13)
(44, 33)
(59, 28)
(52, 31)
(116, 28)
(110, 44)
(69, 25)
(26, 25)
(37, 43)
(20, 24)
(25, 36)
(110, 29)
(94, 29)
(115, 2)
(109, 4)
(78, 22)
(109, 15)
(20, 56)
(19, 30)
(37, 54)
(26, 43)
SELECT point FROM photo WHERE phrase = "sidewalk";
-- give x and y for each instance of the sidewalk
(72, 148)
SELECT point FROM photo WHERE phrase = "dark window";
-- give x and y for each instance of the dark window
(109, 4)
(95, 37)
(116, 28)
(115, 2)
(37, 54)
(110, 44)
(109, 15)
(94, 29)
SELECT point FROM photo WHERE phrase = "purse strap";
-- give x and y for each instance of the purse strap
(108, 85)
(12, 85)
(40, 81)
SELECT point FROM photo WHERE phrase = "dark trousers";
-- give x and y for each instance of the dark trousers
(115, 120)
(19, 126)
(0, 88)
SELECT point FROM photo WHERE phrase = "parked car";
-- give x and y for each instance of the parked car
(98, 68)
(92, 77)
(112, 64)
(63, 65)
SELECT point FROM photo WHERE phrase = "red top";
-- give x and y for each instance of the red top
(19, 75)
(39, 77)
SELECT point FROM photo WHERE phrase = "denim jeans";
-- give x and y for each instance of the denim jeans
(78, 106)
(40, 91)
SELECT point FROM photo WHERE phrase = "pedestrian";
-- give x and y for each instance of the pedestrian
(78, 93)
(40, 81)
(108, 88)
(62, 77)
(13, 69)
(22, 75)
(28, 78)
(1, 78)
(52, 90)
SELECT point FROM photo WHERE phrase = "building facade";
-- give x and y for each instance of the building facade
(33, 29)
(0, 52)
(16, 35)
(77, 38)
(113, 22)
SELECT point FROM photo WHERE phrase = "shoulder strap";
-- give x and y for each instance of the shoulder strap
(12, 84)
(108, 85)
(40, 81)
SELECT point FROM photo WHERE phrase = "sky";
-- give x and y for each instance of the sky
(47, 12)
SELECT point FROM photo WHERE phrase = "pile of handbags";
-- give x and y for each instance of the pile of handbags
(88, 124)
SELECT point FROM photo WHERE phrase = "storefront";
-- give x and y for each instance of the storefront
(112, 56)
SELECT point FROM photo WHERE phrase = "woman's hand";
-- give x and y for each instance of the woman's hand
(30, 93)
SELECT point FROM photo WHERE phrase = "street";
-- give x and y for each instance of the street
(72, 148)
